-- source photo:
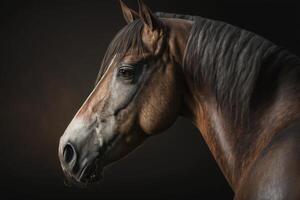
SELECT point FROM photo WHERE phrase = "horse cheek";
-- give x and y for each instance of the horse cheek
(160, 107)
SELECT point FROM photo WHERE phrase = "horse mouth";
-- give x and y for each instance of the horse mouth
(91, 173)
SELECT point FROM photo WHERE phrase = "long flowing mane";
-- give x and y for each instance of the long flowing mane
(237, 65)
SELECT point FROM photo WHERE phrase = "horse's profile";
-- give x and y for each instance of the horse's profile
(240, 90)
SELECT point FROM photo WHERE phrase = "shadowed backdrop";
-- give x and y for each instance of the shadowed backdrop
(50, 55)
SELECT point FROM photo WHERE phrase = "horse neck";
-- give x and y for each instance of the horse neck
(202, 112)
(234, 149)
(220, 138)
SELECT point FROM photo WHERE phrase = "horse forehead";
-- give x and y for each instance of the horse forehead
(133, 57)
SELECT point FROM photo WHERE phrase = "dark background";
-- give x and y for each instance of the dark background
(50, 55)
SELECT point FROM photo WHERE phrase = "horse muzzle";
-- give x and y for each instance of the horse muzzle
(82, 153)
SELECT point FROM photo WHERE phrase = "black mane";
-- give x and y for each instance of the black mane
(234, 63)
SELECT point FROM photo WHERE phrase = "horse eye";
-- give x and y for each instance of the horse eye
(126, 71)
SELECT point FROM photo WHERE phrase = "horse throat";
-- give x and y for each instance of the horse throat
(219, 137)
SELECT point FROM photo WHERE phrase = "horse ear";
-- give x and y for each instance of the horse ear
(129, 14)
(147, 16)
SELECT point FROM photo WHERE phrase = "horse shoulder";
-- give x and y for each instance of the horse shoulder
(276, 172)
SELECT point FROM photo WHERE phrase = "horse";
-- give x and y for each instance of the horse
(240, 90)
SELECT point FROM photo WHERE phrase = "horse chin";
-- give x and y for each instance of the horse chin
(90, 174)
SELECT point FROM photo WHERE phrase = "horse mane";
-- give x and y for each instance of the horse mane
(174, 15)
(234, 63)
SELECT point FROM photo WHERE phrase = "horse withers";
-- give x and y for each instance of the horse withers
(240, 90)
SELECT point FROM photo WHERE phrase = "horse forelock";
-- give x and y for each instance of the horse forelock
(128, 39)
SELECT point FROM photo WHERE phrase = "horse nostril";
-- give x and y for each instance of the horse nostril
(69, 153)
